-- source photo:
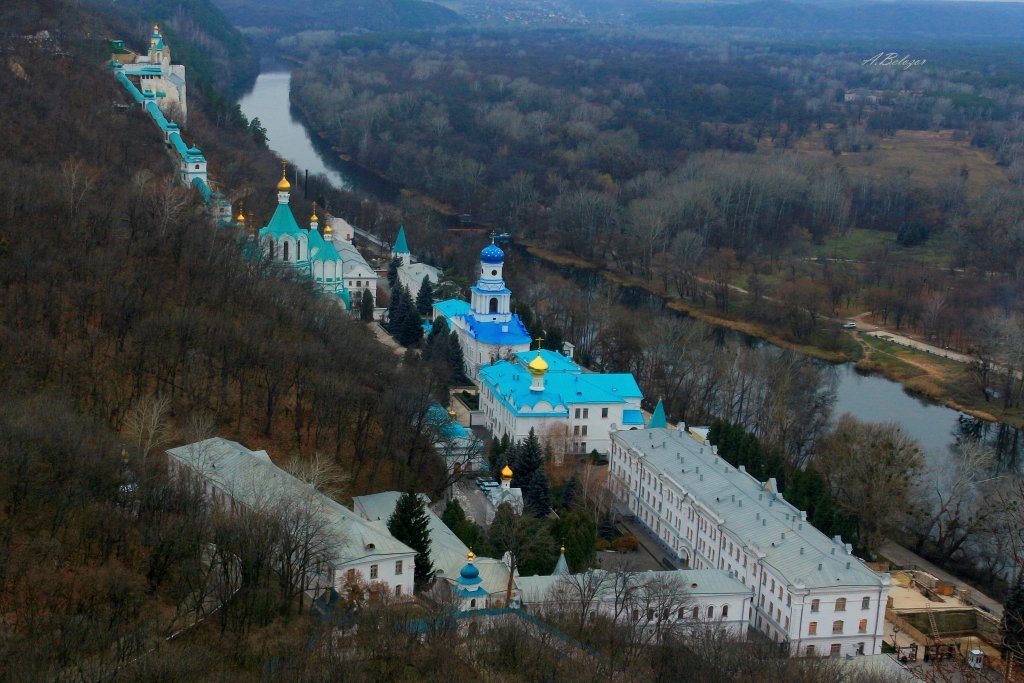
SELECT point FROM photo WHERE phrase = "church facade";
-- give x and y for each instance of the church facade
(487, 328)
(330, 260)
(572, 410)
(154, 73)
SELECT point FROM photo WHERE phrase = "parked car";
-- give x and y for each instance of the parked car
(850, 325)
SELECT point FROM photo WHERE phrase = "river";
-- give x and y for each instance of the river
(868, 397)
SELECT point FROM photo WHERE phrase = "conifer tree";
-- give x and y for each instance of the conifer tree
(410, 524)
(393, 266)
(570, 492)
(425, 297)
(537, 494)
(456, 361)
(579, 536)
(394, 309)
(366, 306)
(527, 463)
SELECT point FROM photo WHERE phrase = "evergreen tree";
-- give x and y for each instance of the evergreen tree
(527, 463)
(393, 266)
(570, 492)
(456, 361)
(408, 329)
(579, 536)
(366, 306)
(410, 524)
(1013, 622)
(537, 494)
(425, 297)
(395, 309)
(462, 526)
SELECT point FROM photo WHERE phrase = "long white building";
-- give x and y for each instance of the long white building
(363, 550)
(810, 593)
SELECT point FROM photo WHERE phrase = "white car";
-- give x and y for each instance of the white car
(850, 326)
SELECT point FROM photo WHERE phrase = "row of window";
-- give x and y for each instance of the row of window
(681, 614)
(865, 603)
(834, 650)
(584, 413)
(837, 627)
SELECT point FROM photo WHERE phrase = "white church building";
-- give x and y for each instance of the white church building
(331, 260)
(487, 328)
(811, 593)
(154, 73)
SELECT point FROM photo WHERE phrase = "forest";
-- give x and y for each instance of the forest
(783, 185)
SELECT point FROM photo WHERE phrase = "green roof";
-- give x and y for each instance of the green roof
(658, 420)
(282, 223)
(401, 245)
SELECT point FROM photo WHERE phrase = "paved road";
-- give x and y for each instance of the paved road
(386, 339)
(906, 558)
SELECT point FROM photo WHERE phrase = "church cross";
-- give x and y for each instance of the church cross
(539, 340)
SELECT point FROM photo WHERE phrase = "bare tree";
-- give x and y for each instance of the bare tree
(148, 425)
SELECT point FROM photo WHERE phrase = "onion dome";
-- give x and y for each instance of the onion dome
(506, 472)
(284, 185)
(469, 572)
(492, 253)
(538, 366)
(240, 217)
(327, 229)
(313, 218)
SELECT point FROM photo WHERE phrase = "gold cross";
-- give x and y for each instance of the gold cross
(539, 340)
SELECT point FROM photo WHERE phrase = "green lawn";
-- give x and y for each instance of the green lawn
(858, 243)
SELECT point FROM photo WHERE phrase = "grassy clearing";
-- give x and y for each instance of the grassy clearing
(859, 244)
(928, 156)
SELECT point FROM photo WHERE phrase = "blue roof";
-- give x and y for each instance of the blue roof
(178, 143)
(401, 245)
(492, 253)
(281, 223)
(130, 87)
(556, 361)
(203, 188)
(658, 420)
(321, 249)
(632, 417)
(452, 308)
(510, 383)
(512, 333)
(437, 415)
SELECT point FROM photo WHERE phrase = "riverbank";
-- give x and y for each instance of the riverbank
(939, 380)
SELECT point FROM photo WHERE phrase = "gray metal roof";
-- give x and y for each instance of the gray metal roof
(704, 583)
(253, 480)
(752, 511)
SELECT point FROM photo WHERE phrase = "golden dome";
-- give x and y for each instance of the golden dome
(284, 185)
(506, 472)
(313, 218)
(240, 217)
(470, 556)
(327, 229)
(538, 366)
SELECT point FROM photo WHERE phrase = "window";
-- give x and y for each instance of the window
(862, 627)
(837, 627)
(472, 603)
(787, 623)
(841, 605)
(835, 649)
(725, 611)
(584, 431)
(350, 576)
(398, 567)
(583, 447)
(860, 648)
(650, 614)
(373, 571)
(586, 413)
(682, 613)
(865, 603)
(696, 614)
(298, 250)
(773, 585)
(812, 628)
(285, 251)
(398, 589)
(809, 651)
(789, 600)
(575, 430)
(711, 611)
(814, 605)
(493, 306)
(577, 413)
(604, 412)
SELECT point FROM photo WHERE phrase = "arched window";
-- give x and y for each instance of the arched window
(837, 626)
(725, 611)
(696, 614)
(285, 251)
(472, 603)
(298, 251)
(841, 605)
(815, 604)
(865, 603)
(494, 304)
(711, 611)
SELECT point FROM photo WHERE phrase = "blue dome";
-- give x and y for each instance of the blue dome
(492, 253)
(469, 572)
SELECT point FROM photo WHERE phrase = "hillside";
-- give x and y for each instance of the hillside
(883, 19)
(120, 299)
